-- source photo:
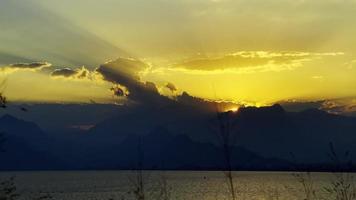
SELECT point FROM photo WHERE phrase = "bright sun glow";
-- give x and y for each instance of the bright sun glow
(234, 109)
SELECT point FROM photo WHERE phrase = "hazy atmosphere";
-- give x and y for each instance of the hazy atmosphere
(246, 51)
(177, 99)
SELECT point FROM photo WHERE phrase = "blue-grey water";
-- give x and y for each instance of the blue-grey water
(182, 185)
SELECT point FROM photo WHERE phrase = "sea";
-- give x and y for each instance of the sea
(165, 185)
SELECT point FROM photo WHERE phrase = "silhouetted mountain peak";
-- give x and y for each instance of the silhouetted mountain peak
(185, 94)
(187, 99)
(266, 111)
(278, 107)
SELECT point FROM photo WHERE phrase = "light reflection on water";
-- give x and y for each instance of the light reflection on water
(183, 185)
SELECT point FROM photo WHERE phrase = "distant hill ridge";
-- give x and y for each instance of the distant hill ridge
(266, 137)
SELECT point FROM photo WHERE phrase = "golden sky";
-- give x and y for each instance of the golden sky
(259, 51)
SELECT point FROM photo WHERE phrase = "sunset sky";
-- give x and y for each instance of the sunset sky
(252, 51)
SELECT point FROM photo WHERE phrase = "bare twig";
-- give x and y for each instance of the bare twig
(227, 141)
(137, 180)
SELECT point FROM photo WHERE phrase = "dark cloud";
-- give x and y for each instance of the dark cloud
(83, 73)
(118, 91)
(71, 73)
(122, 70)
(340, 106)
(344, 106)
(126, 68)
(171, 87)
(297, 106)
(66, 72)
(33, 65)
(151, 86)
(202, 104)
(125, 71)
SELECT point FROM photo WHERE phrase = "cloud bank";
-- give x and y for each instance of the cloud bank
(345, 106)
(79, 73)
(33, 66)
(250, 61)
(120, 80)
(125, 71)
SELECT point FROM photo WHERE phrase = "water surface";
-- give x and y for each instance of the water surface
(182, 185)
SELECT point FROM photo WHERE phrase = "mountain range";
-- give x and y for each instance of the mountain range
(266, 138)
